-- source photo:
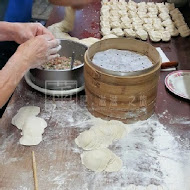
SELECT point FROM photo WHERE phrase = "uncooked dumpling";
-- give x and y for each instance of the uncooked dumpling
(101, 135)
(152, 187)
(115, 164)
(23, 114)
(101, 160)
(93, 139)
(155, 36)
(109, 36)
(131, 187)
(32, 131)
(166, 36)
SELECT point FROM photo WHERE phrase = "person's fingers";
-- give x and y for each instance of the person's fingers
(53, 57)
(47, 37)
(54, 50)
(54, 43)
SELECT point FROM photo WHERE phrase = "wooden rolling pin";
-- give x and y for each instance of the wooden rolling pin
(170, 64)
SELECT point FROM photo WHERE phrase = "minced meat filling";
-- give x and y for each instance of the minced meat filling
(60, 63)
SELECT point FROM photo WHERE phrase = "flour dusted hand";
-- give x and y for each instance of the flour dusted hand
(38, 50)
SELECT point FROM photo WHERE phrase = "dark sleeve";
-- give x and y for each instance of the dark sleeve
(3, 8)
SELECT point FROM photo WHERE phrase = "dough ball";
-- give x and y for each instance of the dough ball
(101, 160)
(32, 131)
(23, 114)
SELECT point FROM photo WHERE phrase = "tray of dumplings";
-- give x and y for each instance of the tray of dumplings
(158, 21)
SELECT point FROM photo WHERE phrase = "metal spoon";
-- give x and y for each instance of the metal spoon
(72, 60)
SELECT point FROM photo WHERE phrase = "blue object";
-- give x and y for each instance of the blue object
(19, 11)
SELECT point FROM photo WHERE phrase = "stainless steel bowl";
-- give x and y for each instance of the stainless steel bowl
(62, 79)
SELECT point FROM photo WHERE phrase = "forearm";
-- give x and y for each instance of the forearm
(7, 31)
(61, 2)
(10, 76)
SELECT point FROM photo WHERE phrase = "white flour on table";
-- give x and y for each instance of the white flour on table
(150, 154)
(121, 60)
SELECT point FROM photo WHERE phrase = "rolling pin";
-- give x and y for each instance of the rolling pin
(169, 64)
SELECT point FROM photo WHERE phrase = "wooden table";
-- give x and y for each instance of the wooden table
(58, 159)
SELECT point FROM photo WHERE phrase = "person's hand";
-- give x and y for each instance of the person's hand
(76, 4)
(26, 31)
(38, 50)
(79, 4)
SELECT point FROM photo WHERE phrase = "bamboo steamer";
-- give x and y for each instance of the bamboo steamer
(124, 96)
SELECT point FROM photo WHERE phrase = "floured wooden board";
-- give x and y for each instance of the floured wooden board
(151, 154)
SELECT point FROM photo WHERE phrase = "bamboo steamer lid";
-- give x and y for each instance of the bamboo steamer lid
(124, 96)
